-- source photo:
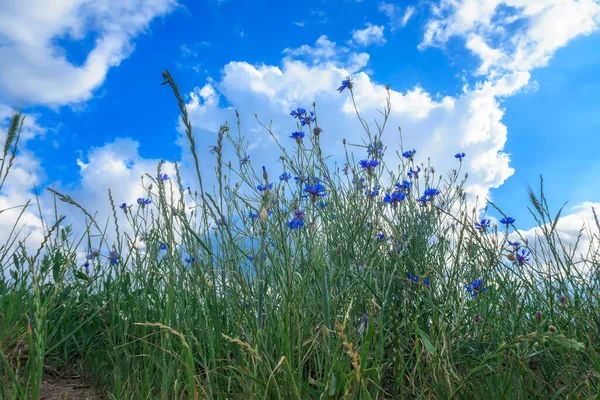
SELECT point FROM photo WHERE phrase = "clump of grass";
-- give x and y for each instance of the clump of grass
(315, 281)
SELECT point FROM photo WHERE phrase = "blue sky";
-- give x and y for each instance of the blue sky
(512, 83)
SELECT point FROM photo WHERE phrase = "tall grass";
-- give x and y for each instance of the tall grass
(259, 287)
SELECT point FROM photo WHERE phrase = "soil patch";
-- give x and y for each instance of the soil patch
(68, 388)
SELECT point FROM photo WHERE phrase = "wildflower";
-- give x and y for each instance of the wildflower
(301, 178)
(410, 154)
(262, 188)
(413, 278)
(316, 190)
(317, 131)
(375, 149)
(507, 221)
(404, 186)
(143, 202)
(247, 304)
(298, 136)
(93, 254)
(380, 237)
(538, 315)
(460, 156)
(346, 84)
(307, 119)
(245, 160)
(189, 260)
(563, 299)
(364, 322)
(482, 225)
(298, 112)
(286, 176)
(162, 246)
(322, 205)
(477, 318)
(86, 265)
(213, 149)
(431, 192)
(113, 257)
(252, 215)
(427, 281)
(373, 193)
(298, 220)
(412, 173)
(265, 175)
(515, 245)
(369, 165)
(394, 198)
(162, 177)
(552, 329)
(123, 206)
(475, 288)
(522, 258)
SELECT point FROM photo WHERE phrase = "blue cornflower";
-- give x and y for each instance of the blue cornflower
(307, 119)
(380, 237)
(298, 136)
(123, 206)
(252, 215)
(475, 288)
(375, 149)
(394, 198)
(322, 205)
(427, 281)
(298, 220)
(162, 177)
(262, 188)
(113, 257)
(482, 225)
(286, 176)
(143, 202)
(250, 258)
(412, 173)
(373, 193)
(316, 190)
(162, 246)
(301, 178)
(413, 278)
(507, 221)
(346, 84)
(245, 160)
(460, 156)
(404, 186)
(298, 112)
(522, 257)
(190, 260)
(410, 154)
(431, 192)
(369, 165)
(515, 245)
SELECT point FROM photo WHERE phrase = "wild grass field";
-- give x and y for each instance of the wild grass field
(357, 281)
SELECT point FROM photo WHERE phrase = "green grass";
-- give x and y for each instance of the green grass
(329, 312)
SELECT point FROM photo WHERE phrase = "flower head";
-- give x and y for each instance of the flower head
(298, 220)
(413, 278)
(346, 84)
(482, 225)
(414, 174)
(113, 257)
(189, 260)
(522, 257)
(143, 202)
(286, 176)
(316, 190)
(393, 198)
(298, 112)
(262, 188)
(252, 215)
(410, 154)
(475, 288)
(162, 177)
(375, 149)
(245, 160)
(369, 165)
(460, 156)
(298, 136)
(507, 221)
(123, 206)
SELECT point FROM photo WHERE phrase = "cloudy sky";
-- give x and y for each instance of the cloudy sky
(513, 84)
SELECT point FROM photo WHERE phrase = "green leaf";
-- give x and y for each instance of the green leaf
(80, 275)
(426, 341)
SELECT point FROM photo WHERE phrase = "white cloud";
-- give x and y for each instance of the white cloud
(34, 68)
(372, 34)
(488, 27)
(398, 19)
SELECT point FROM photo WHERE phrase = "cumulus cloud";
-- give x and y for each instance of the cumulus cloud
(35, 69)
(511, 35)
(372, 34)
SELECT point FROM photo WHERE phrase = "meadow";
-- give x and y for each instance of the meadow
(357, 281)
